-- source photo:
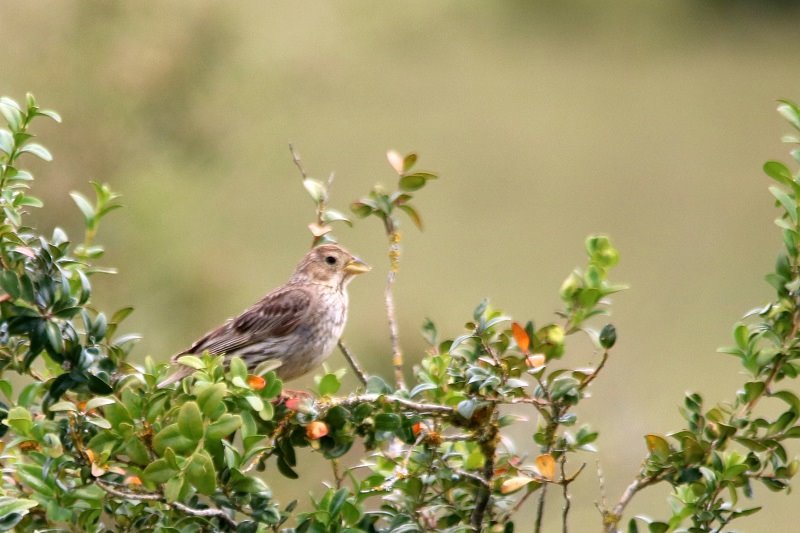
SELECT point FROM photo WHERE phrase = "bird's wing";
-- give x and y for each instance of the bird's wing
(275, 315)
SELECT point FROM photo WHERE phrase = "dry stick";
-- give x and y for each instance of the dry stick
(154, 497)
(488, 447)
(565, 492)
(297, 161)
(428, 408)
(612, 519)
(360, 374)
(394, 333)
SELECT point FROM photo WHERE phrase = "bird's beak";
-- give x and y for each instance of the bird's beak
(356, 266)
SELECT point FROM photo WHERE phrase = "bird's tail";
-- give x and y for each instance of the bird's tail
(182, 372)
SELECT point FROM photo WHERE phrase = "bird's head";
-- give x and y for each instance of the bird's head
(330, 264)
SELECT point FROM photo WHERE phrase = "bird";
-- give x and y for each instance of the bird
(295, 326)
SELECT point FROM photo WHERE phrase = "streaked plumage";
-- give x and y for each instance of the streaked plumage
(297, 325)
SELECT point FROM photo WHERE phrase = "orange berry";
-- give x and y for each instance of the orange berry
(316, 430)
(256, 382)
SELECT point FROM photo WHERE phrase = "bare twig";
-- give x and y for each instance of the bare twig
(155, 497)
(565, 492)
(596, 372)
(474, 477)
(530, 401)
(488, 447)
(612, 518)
(540, 509)
(359, 372)
(429, 408)
(297, 161)
(394, 332)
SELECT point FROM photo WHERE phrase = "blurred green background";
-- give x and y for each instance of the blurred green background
(546, 120)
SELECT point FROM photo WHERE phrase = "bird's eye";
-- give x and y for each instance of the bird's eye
(330, 260)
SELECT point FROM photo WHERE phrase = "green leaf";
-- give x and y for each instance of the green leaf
(788, 397)
(387, 422)
(778, 171)
(6, 141)
(9, 282)
(6, 389)
(786, 201)
(64, 406)
(86, 208)
(30, 201)
(190, 421)
(159, 471)
(49, 113)
(201, 473)
(210, 399)
(136, 450)
(54, 338)
(255, 401)
(466, 408)
(412, 214)
(238, 369)
(38, 150)
(408, 161)
(192, 361)
(329, 384)
(658, 527)
(790, 112)
(360, 209)
(174, 488)
(315, 189)
(412, 182)
(172, 437)
(13, 510)
(11, 112)
(224, 426)
(19, 419)
(285, 469)
(100, 401)
(608, 336)
(332, 215)
(657, 446)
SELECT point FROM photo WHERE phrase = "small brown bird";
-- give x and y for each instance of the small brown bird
(296, 325)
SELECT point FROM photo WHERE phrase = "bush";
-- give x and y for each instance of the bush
(91, 443)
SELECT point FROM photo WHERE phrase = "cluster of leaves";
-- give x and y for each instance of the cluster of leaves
(91, 442)
(384, 205)
(438, 462)
(726, 449)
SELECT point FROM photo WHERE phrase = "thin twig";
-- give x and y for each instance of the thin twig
(602, 481)
(474, 477)
(360, 374)
(612, 518)
(529, 401)
(488, 447)
(394, 332)
(155, 497)
(565, 492)
(297, 161)
(458, 437)
(429, 408)
(597, 370)
(540, 509)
